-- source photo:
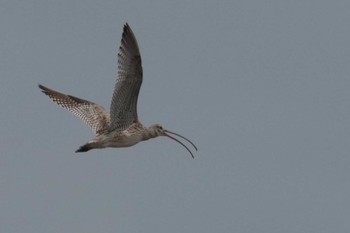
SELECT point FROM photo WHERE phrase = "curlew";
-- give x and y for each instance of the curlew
(121, 127)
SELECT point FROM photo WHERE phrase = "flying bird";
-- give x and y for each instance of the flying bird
(121, 127)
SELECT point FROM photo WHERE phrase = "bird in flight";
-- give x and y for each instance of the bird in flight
(121, 127)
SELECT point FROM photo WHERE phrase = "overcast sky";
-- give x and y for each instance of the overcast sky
(261, 87)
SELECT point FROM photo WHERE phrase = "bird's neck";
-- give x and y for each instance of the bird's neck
(149, 133)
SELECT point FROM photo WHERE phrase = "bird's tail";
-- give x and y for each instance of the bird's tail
(85, 147)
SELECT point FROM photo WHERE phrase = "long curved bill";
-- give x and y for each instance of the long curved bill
(167, 132)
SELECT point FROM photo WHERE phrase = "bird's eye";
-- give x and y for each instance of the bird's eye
(160, 127)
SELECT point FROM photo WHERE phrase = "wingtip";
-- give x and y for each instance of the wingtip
(44, 89)
(127, 29)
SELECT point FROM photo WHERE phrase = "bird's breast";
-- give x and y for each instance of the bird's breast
(123, 139)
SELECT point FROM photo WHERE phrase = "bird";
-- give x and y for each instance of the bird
(121, 126)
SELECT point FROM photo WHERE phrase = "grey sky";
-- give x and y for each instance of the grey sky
(261, 87)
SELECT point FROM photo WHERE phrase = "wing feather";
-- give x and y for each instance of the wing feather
(124, 101)
(94, 115)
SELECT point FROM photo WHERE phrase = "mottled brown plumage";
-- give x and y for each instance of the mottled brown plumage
(120, 128)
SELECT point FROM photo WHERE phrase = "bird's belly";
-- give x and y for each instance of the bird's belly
(124, 141)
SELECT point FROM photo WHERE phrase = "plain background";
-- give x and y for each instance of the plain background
(261, 87)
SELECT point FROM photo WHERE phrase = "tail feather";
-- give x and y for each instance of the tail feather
(85, 148)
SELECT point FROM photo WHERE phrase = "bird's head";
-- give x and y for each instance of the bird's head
(160, 131)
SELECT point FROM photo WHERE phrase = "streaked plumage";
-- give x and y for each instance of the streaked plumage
(120, 128)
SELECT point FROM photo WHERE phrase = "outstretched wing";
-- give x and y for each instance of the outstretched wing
(124, 101)
(92, 114)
